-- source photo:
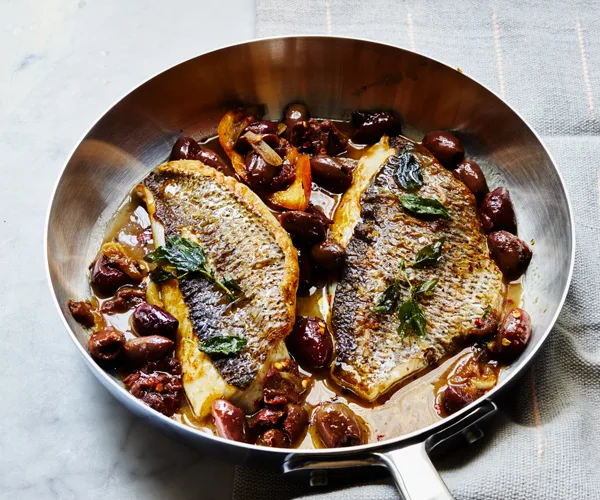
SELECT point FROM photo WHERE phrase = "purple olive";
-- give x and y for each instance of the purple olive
(106, 344)
(445, 146)
(338, 426)
(187, 148)
(511, 254)
(107, 277)
(310, 342)
(294, 113)
(295, 422)
(486, 325)
(82, 312)
(371, 125)
(307, 277)
(148, 319)
(471, 175)
(305, 228)
(260, 173)
(456, 397)
(328, 254)
(273, 438)
(230, 421)
(514, 334)
(140, 350)
(329, 173)
(497, 212)
(262, 127)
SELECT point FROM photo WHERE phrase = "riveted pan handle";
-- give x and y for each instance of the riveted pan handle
(410, 466)
(415, 476)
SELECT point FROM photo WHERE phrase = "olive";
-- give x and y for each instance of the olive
(82, 312)
(230, 421)
(336, 140)
(514, 334)
(456, 397)
(294, 113)
(305, 228)
(295, 422)
(445, 146)
(337, 426)
(307, 278)
(140, 350)
(262, 127)
(328, 254)
(273, 438)
(260, 173)
(371, 125)
(471, 175)
(330, 173)
(106, 277)
(310, 342)
(486, 325)
(148, 319)
(106, 344)
(497, 212)
(187, 148)
(511, 254)
(265, 418)
(268, 131)
(127, 297)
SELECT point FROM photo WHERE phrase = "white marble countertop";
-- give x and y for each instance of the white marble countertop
(63, 62)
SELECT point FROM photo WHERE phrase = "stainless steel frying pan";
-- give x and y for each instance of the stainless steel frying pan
(333, 76)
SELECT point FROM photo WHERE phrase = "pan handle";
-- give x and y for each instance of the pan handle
(415, 476)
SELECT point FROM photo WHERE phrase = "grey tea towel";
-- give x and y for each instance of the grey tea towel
(543, 57)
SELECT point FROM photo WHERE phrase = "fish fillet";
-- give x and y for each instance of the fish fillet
(371, 356)
(242, 241)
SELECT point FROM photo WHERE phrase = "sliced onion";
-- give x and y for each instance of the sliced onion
(263, 149)
(281, 128)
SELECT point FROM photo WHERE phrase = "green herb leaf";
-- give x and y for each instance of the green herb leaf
(186, 256)
(408, 174)
(160, 275)
(426, 288)
(423, 206)
(224, 345)
(430, 255)
(486, 311)
(388, 300)
(412, 318)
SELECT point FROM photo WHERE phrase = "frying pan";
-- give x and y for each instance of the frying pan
(333, 76)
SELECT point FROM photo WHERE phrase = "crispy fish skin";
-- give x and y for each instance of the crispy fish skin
(371, 356)
(243, 241)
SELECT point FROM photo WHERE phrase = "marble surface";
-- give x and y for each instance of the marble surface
(63, 62)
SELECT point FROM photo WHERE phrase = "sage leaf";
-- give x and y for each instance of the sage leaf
(430, 255)
(224, 345)
(423, 206)
(408, 174)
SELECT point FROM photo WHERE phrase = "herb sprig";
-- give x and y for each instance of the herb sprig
(180, 257)
(410, 313)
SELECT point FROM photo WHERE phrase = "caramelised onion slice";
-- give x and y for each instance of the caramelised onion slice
(263, 149)
(230, 129)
